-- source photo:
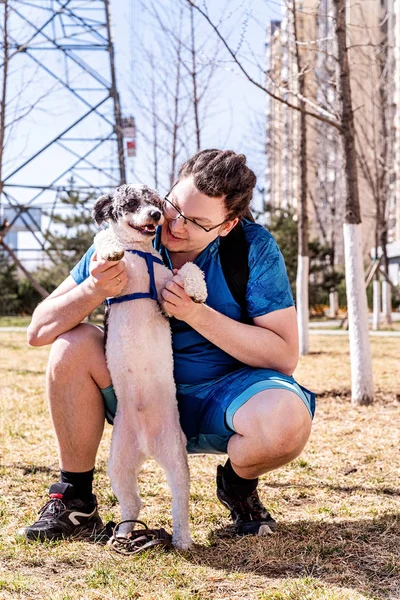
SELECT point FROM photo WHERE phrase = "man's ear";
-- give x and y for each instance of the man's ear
(228, 226)
(103, 209)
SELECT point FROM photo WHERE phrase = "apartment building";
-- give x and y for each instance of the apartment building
(368, 29)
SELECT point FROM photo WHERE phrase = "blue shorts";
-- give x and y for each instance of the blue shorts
(206, 410)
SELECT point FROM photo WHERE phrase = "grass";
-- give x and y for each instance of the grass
(337, 505)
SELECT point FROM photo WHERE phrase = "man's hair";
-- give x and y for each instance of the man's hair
(222, 174)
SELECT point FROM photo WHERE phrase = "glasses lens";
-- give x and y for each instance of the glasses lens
(169, 210)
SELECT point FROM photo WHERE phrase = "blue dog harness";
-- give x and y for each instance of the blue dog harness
(152, 294)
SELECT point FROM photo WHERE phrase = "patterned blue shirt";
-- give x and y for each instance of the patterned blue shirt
(196, 360)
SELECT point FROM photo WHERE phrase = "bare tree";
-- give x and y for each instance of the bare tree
(303, 260)
(177, 100)
(360, 352)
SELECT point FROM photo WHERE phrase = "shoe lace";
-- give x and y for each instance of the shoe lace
(52, 508)
(258, 510)
(249, 508)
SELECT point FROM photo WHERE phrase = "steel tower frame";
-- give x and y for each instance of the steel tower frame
(79, 33)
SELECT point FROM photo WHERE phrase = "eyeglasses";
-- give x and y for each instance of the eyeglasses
(173, 213)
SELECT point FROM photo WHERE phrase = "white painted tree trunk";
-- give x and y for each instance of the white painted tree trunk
(362, 388)
(376, 304)
(386, 302)
(333, 304)
(302, 302)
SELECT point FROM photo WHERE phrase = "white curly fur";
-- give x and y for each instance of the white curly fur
(194, 282)
(139, 357)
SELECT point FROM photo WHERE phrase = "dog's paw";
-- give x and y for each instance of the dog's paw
(182, 542)
(193, 282)
(107, 246)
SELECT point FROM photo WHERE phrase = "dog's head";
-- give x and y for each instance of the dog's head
(136, 209)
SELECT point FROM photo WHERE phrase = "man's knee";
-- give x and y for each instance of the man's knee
(287, 440)
(279, 423)
(80, 347)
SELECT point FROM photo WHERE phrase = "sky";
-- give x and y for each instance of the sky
(235, 108)
(238, 109)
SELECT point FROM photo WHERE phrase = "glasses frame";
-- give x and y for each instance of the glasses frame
(186, 219)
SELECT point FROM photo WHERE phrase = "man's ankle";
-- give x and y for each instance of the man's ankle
(82, 483)
(232, 478)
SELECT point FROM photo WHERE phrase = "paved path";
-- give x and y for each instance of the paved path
(344, 332)
(313, 330)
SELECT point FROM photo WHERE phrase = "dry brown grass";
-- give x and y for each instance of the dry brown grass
(337, 505)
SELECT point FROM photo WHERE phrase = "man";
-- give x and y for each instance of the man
(234, 385)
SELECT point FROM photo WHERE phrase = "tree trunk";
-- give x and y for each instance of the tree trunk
(360, 351)
(175, 126)
(3, 101)
(303, 260)
(386, 288)
(386, 302)
(333, 304)
(376, 314)
(194, 79)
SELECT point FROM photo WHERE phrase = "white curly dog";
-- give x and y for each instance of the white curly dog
(139, 355)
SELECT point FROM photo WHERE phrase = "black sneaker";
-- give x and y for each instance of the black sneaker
(248, 514)
(64, 516)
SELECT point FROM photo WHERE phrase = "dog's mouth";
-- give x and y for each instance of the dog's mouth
(149, 229)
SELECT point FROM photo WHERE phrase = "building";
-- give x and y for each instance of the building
(369, 34)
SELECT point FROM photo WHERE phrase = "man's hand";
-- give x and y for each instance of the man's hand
(107, 277)
(176, 302)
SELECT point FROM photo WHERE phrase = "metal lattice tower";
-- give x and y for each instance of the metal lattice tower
(61, 52)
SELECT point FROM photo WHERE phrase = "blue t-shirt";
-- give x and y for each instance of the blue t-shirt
(196, 360)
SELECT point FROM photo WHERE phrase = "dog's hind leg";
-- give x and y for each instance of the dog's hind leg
(173, 459)
(123, 466)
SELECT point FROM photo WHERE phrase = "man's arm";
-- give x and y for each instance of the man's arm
(271, 343)
(70, 303)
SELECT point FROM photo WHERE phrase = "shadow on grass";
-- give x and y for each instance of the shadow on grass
(342, 489)
(363, 554)
(32, 469)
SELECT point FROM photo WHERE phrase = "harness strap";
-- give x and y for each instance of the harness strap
(152, 294)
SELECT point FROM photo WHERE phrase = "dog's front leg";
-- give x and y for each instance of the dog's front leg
(193, 282)
(107, 245)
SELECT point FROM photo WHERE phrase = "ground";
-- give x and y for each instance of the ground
(337, 505)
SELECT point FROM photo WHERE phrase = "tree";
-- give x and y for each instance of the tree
(360, 351)
(74, 231)
(303, 263)
(9, 301)
(176, 94)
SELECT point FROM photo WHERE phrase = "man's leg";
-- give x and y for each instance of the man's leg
(272, 429)
(76, 370)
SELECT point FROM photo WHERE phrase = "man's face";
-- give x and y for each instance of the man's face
(178, 237)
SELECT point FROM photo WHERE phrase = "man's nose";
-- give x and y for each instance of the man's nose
(177, 224)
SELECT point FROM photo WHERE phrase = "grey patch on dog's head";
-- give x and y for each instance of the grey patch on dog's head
(127, 199)
(103, 209)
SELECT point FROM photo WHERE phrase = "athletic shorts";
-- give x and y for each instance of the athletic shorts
(206, 410)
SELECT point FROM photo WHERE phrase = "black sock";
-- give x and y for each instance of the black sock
(82, 483)
(248, 485)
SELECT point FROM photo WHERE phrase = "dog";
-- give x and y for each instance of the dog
(139, 355)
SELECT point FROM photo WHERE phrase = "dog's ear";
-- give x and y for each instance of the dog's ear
(103, 209)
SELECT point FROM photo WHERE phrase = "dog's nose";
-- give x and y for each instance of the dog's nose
(155, 215)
